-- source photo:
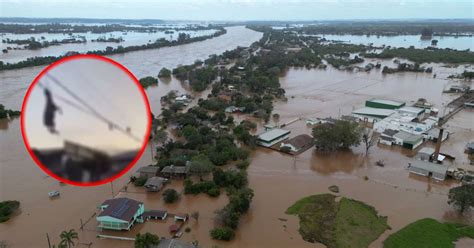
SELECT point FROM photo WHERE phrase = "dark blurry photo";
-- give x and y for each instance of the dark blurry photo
(85, 119)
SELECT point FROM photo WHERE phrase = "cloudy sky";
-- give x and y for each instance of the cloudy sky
(239, 9)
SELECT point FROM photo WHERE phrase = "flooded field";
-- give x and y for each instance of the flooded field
(459, 43)
(129, 39)
(278, 180)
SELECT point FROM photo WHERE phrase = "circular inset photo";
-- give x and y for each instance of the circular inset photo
(85, 120)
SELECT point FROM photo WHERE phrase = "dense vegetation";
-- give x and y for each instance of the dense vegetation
(343, 223)
(339, 135)
(170, 195)
(391, 28)
(428, 233)
(4, 113)
(425, 55)
(148, 81)
(462, 197)
(55, 27)
(146, 240)
(7, 208)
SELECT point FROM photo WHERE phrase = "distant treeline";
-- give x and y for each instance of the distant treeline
(182, 39)
(81, 20)
(426, 55)
(391, 28)
(96, 29)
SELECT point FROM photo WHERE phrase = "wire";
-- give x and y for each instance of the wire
(94, 112)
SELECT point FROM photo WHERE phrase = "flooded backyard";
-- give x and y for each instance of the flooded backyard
(278, 180)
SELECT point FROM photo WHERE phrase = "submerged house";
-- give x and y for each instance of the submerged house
(408, 140)
(172, 171)
(298, 143)
(148, 171)
(155, 184)
(429, 169)
(386, 137)
(155, 215)
(273, 136)
(120, 213)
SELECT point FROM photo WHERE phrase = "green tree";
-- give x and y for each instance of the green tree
(462, 197)
(223, 233)
(68, 237)
(146, 240)
(170, 196)
(164, 73)
(200, 166)
(340, 135)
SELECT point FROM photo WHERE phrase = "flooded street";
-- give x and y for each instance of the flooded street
(278, 180)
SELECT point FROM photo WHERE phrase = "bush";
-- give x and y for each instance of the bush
(187, 229)
(148, 81)
(170, 196)
(208, 187)
(7, 208)
(164, 73)
(214, 192)
(223, 233)
(140, 181)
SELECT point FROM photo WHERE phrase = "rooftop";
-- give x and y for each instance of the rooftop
(407, 137)
(410, 109)
(378, 112)
(155, 213)
(429, 166)
(388, 102)
(155, 181)
(120, 208)
(175, 169)
(273, 134)
(300, 141)
(427, 150)
(149, 169)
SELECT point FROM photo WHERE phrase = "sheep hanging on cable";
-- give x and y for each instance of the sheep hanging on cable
(49, 112)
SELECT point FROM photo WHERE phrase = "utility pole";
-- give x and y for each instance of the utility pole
(112, 188)
(49, 242)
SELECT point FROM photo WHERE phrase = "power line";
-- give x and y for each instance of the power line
(94, 112)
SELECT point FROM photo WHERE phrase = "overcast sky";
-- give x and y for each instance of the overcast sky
(239, 9)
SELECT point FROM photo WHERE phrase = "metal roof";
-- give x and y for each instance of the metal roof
(121, 208)
(273, 134)
(429, 166)
(374, 111)
(388, 102)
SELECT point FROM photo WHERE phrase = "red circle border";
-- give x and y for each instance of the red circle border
(25, 102)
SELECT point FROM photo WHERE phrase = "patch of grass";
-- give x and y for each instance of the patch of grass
(357, 224)
(347, 223)
(429, 233)
(297, 206)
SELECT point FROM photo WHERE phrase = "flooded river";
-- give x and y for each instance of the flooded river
(277, 179)
(129, 39)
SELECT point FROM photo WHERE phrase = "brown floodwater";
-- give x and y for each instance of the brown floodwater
(277, 179)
